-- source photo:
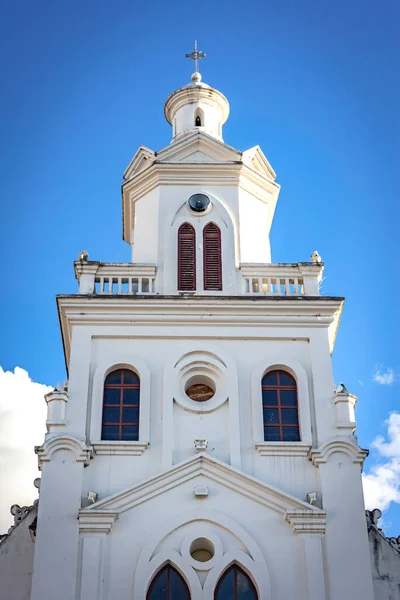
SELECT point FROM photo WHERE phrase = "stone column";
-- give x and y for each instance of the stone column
(92, 554)
(61, 459)
(310, 530)
(347, 550)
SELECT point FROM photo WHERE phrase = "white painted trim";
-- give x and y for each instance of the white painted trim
(294, 368)
(232, 393)
(119, 360)
(283, 448)
(80, 451)
(212, 469)
(145, 575)
(256, 569)
(202, 532)
(342, 446)
(119, 448)
(254, 565)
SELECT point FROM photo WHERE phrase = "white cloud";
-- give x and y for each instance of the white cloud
(384, 376)
(382, 483)
(22, 426)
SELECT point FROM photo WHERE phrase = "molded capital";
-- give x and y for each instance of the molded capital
(80, 451)
(340, 445)
(306, 522)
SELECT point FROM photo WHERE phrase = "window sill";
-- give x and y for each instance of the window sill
(283, 448)
(119, 448)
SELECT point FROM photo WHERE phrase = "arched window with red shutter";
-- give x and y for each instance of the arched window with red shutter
(212, 264)
(186, 258)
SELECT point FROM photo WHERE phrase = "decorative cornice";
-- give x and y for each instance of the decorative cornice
(305, 522)
(283, 448)
(81, 452)
(344, 446)
(168, 311)
(197, 173)
(195, 93)
(118, 448)
(97, 521)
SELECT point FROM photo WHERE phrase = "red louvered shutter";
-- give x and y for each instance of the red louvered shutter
(212, 257)
(186, 258)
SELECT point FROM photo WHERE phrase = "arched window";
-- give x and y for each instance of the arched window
(168, 584)
(186, 258)
(279, 398)
(235, 585)
(198, 117)
(212, 257)
(121, 406)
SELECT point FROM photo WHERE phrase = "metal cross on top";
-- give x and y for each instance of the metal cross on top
(196, 55)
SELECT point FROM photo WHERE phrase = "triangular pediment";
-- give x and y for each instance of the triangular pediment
(143, 158)
(198, 146)
(256, 159)
(208, 469)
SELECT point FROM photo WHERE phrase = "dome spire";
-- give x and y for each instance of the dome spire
(196, 55)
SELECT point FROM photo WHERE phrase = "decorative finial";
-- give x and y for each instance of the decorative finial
(83, 256)
(196, 55)
(315, 257)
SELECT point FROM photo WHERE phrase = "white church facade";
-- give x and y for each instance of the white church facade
(201, 450)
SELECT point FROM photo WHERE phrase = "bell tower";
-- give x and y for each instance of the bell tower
(201, 450)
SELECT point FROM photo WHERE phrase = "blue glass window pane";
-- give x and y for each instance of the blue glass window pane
(178, 587)
(114, 378)
(131, 396)
(288, 397)
(130, 377)
(286, 379)
(110, 415)
(291, 434)
(270, 397)
(226, 590)
(245, 590)
(109, 433)
(271, 434)
(111, 396)
(270, 416)
(130, 415)
(159, 587)
(289, 416)
(270, 379)
(130, 433)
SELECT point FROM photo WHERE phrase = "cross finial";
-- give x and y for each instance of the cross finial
(196, 55)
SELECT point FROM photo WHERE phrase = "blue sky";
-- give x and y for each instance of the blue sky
(314, 83)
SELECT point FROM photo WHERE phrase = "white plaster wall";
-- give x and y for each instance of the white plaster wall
(108, 474)
(16, 562)
(184, 119)
(145, 247)
(268, 530)
(254, 225)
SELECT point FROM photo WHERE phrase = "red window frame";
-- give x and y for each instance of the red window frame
(278, 387)
(121, 386)
(212, 262)
(168, 596)
(186, 258)
(236, 569)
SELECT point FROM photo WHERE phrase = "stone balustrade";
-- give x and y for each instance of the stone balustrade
(282, 279)
(115, 278)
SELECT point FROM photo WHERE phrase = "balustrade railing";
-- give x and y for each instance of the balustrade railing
(115, 278)
(299, 279)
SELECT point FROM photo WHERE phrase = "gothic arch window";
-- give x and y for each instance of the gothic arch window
(212, 265)
(168, 584)
(121, 400)
(280, 407)
(186, 258)
(235, 585)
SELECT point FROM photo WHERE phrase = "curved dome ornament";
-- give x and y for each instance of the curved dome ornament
(199, 202)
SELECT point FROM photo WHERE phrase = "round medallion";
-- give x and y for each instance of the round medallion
(199, 202)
